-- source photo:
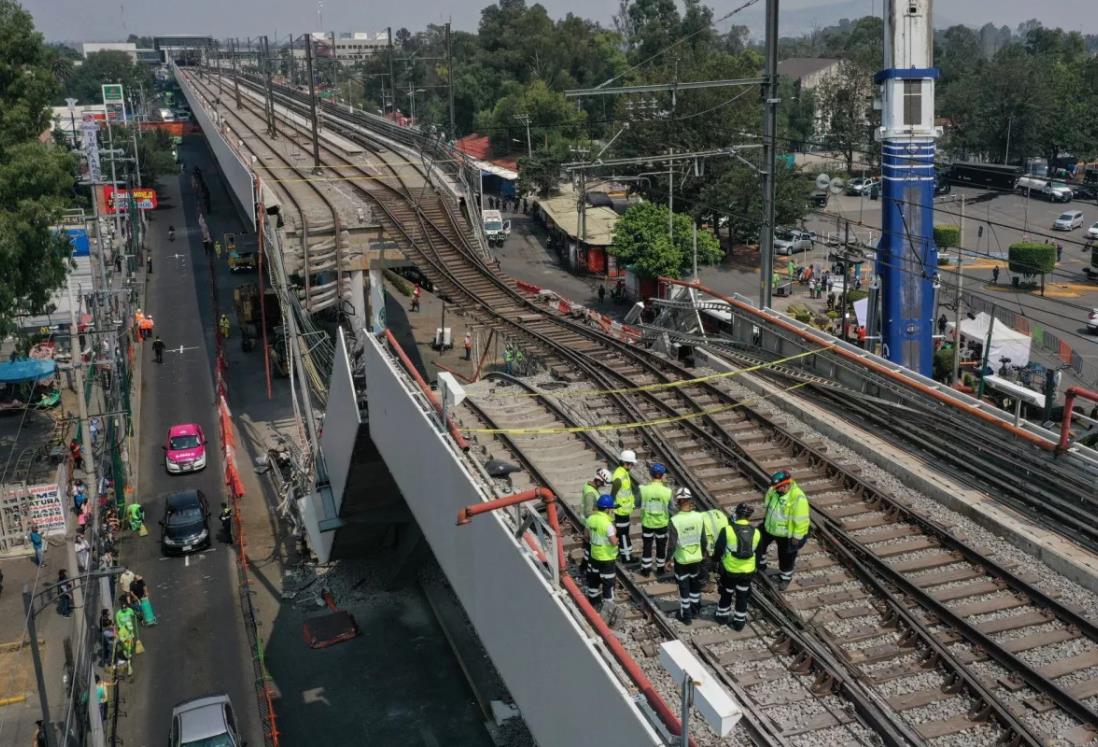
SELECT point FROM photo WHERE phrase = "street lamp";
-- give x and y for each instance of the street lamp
(29, 599)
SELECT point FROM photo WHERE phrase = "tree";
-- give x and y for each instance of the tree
(947, 236)
(553, 117)
(109, 66)
(540, 173)
(1028, 259)
(737, 197)
(641, 240)
(35, 178)
(843, 101)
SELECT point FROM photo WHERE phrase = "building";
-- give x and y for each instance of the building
(589, 253)
(807, 72)
(346, 47)
(128, 47)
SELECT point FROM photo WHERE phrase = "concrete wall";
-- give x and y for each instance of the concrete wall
(557, 674)
(237, 175)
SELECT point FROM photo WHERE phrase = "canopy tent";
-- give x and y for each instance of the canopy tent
(26, 370)
(1005, 342)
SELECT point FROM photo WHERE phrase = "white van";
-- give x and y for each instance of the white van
(166, 115)
(1069, 221)
(1036, 187)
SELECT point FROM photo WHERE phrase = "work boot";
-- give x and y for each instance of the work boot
(685, 618)
(696, 609)
(646, 572)
(737, 624)
(783, 583)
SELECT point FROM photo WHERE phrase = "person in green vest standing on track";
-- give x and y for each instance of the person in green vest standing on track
(655, 501)
(735, 551)
(602, 546)
(786, 523)
(592, 489)
(621, 490)
(715, 522)
(690, 549)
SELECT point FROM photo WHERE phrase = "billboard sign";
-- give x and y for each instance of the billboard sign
(118, 199)
(89, 133)
(112, 94)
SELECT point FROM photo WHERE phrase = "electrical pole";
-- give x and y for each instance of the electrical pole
(770, 158)
(392, 78)
(524, 119)
(270, 91)
(957, 299)
(236, 81)
(312, 102)
(450, 85)
(671, 200)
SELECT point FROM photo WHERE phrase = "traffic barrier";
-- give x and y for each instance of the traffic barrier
(265, 692)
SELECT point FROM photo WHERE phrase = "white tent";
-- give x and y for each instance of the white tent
(1005, 342)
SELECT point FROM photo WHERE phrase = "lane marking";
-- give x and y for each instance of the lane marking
(187, 561)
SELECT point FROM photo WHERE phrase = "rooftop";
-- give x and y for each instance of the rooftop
(600, 220)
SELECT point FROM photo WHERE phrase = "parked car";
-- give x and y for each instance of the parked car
(1092, 322)
(859, 186)
(1092, 232)
(1033, 186)
(791, 241)
(185, 449)
(204, 722)
(1085, 191)
(1069, 220)
(185, 526)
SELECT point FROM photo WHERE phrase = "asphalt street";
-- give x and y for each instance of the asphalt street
(200, 645)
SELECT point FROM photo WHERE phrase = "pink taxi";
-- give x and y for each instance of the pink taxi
(185, 450)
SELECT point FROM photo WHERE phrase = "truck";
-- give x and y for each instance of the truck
(1033, 186)
(990, 175)
(496, 229)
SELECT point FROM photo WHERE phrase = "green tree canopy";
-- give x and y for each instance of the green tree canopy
(553, 118)
(85, 83)
(1031, 258)
(641, 240)
(35, 178)
(737, 197)
(947, 236)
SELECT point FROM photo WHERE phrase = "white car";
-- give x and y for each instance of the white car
(1069, 220)
(1092, 322)
(1092, 232)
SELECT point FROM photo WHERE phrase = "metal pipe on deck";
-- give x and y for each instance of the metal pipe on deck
(1069, 401)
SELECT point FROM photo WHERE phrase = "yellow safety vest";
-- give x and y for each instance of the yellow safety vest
(787, 515)
(624, 502)
(599, 530)
(715, 521)
(655, 505)
(689, 528)
(590, 499)
(729, 561)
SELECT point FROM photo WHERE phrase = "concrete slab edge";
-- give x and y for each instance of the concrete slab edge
(1071, 561)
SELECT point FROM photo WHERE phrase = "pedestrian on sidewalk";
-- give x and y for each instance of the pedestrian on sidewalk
(64, 594)
(468, 346)
(1059, 251)
(77, 456)
(158, 349)
(94, 426)
(995, 274)
(416, 293)
(942, 323)
(602, 293)
(144, 603)
(224, 326)
(124, 617)
(79, 496)
(38, 542)
(226, 518)
(101, 697)
(83, 552)
(39, 734)
(135, 515)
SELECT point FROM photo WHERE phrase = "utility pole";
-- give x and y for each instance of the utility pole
(270, 91)
(524, 119)
(450, 85)
(392, 78)
(217, 61)
(293, 68)
(312, 103)
(957, 299)
(770, 158)
(236, 81)
(671, 200)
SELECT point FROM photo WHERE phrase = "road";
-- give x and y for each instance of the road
(200, 645)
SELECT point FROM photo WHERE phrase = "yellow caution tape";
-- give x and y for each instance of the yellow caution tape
(653, 387)
(627, 426)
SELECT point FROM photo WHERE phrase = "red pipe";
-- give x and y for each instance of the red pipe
(1021, 433)
(625, 660)
(1069, 400)
(426, 389)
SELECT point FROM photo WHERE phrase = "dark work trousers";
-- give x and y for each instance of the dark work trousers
(625, 544)
(686, 575)
(600, 581)
(739, 586)
(787, 553)
(648, 537)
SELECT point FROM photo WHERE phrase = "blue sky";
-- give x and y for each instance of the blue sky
(99, 20)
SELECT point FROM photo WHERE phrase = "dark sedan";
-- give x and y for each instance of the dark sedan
(185, 526)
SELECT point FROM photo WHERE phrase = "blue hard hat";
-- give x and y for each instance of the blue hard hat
(779, 477)
(605, 501)
(657, 470)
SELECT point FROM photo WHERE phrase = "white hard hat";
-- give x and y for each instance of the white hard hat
(628, 457)
(603, 474)
(684, 494)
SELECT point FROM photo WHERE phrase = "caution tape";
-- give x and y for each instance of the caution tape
(627, 426)
(654, 387)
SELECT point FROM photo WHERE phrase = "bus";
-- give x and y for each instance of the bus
(990, 175)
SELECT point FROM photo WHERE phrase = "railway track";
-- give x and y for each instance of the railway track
(940, 634)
